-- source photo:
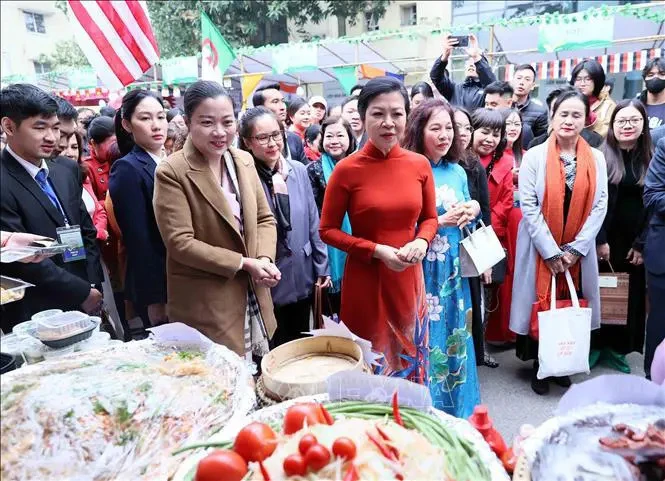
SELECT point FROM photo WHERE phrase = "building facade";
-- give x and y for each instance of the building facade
(29, 30)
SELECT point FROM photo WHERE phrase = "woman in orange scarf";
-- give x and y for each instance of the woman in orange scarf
(563, 196)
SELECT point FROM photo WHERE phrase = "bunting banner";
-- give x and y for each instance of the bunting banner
(249, 83)
(367, 71)
(612, 63)
(288, 88)
(347, 77)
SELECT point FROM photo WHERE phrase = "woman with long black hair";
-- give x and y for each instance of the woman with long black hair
(140, 127)
(620, 242)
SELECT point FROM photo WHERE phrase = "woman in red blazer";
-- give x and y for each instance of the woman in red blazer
(489, 142)
(103, 150)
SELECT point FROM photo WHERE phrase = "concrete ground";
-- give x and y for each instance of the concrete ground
(507, 392)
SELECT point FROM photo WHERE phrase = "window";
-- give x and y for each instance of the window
(41, 67)
(34, 22)
(371, 22)
(409, 14)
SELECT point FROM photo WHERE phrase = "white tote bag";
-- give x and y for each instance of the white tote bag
(565, 336)
(479, 251)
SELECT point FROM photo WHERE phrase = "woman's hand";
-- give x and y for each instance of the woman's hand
(324, 282)
(569, 259)
(23, 239)
(157, 314)
(263, 272)
(635, 257)
(388, 255)
(486, 277)
(603, 252)
(414, 251)
(555, 266)
(451, 217)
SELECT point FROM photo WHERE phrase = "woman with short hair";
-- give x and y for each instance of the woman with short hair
(388, 193)
(588, 77)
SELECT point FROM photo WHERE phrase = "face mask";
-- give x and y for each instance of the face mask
(655, 85)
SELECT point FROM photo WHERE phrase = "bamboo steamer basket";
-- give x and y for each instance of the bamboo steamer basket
(301, 367)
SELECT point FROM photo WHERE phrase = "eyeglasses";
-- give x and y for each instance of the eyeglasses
(633, 122)
(583, 80)
(514, 124)
(264, 139)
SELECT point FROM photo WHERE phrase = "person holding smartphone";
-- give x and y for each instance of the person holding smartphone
(479, 75)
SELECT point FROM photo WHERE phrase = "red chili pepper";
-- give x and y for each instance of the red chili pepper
(385, 436)
(328, 417)
(264, 472)
(352, 474)
(387, 453)
(396, 414)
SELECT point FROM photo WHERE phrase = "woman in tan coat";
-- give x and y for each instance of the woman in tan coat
(218, 229)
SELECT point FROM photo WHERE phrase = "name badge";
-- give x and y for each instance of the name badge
(72, 238)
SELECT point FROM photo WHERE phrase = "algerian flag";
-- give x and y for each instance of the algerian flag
(217, 55)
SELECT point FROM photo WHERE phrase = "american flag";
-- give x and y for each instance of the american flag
(116, 37)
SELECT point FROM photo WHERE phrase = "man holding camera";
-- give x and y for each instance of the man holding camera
(468, 94)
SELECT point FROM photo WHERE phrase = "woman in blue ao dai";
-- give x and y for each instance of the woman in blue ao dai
(453, 380)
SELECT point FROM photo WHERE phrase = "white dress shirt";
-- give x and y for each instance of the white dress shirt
(31, 168)
(154, 157)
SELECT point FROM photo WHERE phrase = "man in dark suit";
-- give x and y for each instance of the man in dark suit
(654, 259)
(43, 197)
(271, 98)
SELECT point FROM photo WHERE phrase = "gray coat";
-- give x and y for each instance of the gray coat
(534, 238)
(305, 256)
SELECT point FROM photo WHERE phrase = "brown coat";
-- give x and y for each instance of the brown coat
(206, 288)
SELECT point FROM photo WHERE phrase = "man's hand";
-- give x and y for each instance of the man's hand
(473, 50)
(448, 45)
(93, 303)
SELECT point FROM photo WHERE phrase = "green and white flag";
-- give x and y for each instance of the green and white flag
(216, 53)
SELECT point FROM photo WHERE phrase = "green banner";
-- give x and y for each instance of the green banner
(579, 33)
(180, 70)
(295, 57)
(347, 77)
(81, 79)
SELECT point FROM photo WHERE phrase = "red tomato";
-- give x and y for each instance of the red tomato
(294, 465)
(221, 464)
(317, 457)
(306, 442)
(296, 415)
(255, 442)
(344, 448)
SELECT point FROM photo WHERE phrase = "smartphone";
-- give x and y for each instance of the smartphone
(462, 40)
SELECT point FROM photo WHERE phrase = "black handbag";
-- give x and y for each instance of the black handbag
(499, 271)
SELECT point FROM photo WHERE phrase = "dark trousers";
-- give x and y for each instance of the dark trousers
(292, 321)
(656, 320)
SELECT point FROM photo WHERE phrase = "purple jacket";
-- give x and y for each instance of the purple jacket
(305, 257)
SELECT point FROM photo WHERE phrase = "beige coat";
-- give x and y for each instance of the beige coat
(206, 288)
(603, 109)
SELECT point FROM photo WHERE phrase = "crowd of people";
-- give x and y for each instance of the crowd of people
(188, 214)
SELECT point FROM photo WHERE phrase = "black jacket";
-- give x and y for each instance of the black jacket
(479, 190)
(24, 207)
(592, 138)
(296, 148)
(131, 186)
(469, 94)
(535, 116)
